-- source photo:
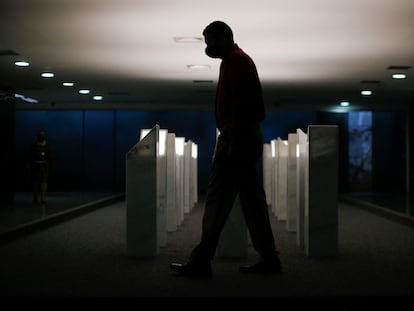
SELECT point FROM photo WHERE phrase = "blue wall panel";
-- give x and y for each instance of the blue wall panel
(99, 150)
(64, 134)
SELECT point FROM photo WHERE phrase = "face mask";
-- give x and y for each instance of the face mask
(213, 51)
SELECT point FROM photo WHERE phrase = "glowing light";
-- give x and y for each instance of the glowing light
(26, 99)
(194, 151)
(273, 148)
(162, 142)
(98, 97)
(47, 74)
(68, 84)
(179, 145)
(144, 133)
(22, 63)
(399, 76)
(366, 92)
(344, 104)
(84, 91)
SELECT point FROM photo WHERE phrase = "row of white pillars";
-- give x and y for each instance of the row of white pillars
(161, 187)
(300, 177)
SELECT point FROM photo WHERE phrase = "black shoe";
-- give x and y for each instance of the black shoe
(265, 267)
(192, 269)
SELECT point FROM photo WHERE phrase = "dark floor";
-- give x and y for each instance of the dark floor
(86, 257)
(24, 210)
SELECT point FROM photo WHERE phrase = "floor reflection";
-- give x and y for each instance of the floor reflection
(24, 210)
(397, 202)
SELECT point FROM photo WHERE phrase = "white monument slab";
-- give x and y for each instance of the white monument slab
(171, 192)
(194, 174)
(267, 172)
(142, 201)
(274, 175)
(300, 187)
(180, 143)
(291, 213)
(187, 165)
(321, 209)
(281, 201)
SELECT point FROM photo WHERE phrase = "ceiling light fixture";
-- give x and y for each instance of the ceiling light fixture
(188, 39)
(366, 92)
(399, 76)
(68, 84)
(84, 91)
(47, 74)
(22, 63)
(98, 97)
(344, 104)
(198, 66)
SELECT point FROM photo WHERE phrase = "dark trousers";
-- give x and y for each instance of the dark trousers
(235, 172)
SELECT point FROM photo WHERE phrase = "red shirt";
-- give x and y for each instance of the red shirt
(239, 99)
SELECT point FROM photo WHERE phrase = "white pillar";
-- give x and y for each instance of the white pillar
(194, 174)
(291, 214)
(180, 144)
(267, 173)
(171, 192)
(141, 196)
(281, 207)
(321, 212)
(300, 187)
(187, 176)
(274, 176)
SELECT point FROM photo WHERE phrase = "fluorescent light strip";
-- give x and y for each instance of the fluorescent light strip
(68, 84)
(84, 91)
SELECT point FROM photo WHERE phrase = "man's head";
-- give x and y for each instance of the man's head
(219, 39)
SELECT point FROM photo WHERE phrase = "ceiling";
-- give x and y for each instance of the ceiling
(310, 54)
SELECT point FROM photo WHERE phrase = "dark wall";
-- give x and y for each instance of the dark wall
(7, 136)
(389, 162)
(89, 147)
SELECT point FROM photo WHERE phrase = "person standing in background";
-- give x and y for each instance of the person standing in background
(39, 161)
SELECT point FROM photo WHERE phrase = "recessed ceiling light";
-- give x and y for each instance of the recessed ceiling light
(366, 92)
(84, 91)
(47, 74)
(22, 63)
(198, 66)
(399, 76)
(188, 39)
(344, 104)
(68, 84)
(98, 97)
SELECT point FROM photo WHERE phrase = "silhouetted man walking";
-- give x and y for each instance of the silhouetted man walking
(239, 109)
